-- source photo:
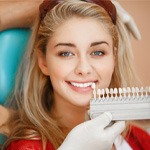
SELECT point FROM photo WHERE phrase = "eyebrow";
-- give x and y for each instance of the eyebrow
(73, 45)
(65, 44)
(98, 43)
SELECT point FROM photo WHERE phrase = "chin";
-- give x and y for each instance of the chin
(83, 104)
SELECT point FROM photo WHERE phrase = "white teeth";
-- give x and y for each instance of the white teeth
(81, 85)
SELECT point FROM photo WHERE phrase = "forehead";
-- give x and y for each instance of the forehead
(81, 30)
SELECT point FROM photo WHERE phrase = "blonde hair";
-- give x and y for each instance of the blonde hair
(34, 93)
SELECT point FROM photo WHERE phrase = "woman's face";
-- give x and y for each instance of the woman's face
(79, 53)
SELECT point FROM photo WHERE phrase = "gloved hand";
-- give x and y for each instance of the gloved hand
(127, 20)
(93, 134)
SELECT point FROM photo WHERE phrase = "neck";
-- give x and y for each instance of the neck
(69, 115)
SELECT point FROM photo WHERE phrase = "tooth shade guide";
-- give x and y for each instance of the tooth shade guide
(125, 104)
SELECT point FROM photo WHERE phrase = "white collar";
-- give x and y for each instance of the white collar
(121, 144)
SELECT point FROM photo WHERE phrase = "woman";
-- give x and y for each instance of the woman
(75, 43)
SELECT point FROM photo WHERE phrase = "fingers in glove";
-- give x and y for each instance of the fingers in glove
(103, 120)
(116, 129)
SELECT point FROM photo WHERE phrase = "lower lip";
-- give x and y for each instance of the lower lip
(80, 89)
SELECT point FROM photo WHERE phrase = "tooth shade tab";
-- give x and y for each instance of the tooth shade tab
(141, 91)
(94, 89)
(93, 85)
(111, 92)
(99, 93)
(120, 92)
(115, 92)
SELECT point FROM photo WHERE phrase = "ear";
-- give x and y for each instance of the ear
(42, 62)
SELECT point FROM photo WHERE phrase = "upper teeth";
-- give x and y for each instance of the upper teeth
(82, 84)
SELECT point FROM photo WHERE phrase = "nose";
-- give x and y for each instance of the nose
(83, 67)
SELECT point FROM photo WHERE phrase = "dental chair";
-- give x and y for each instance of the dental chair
(13, 43)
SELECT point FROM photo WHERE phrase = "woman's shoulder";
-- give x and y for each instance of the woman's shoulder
(137, 137)
(139, 132)
(29, 144)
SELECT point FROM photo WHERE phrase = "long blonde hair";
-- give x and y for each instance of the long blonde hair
(33, 92)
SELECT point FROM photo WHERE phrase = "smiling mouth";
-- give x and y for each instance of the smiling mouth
(82, 85)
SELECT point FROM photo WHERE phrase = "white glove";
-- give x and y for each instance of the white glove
(127, 20)
(93, 134)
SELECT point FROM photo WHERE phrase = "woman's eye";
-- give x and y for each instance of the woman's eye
(66, 54)
(97, 53)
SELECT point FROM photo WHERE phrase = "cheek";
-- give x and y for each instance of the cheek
(109, 68)
(105, 71)
(58, 69)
